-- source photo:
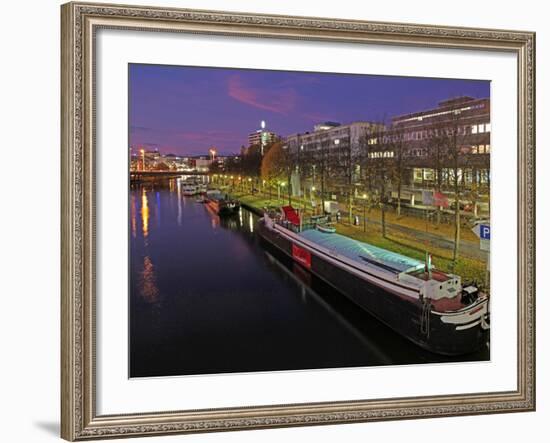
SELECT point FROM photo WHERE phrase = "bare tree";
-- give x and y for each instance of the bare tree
(322, 167)
(455, 139)
(344, 166)
(437, 148)
(394, 143)
(380, 167)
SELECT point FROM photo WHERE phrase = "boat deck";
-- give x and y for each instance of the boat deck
(363, 253)
(436, 275)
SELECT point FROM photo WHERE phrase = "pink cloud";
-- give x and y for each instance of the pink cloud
(280, 102)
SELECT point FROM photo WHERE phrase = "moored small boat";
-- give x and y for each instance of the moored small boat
(327, 229)
(221, 204)
(188, 189)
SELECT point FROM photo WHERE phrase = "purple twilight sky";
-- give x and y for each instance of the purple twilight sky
(186, 110)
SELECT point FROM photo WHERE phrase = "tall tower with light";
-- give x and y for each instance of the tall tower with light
(212, 153)
(263, 137)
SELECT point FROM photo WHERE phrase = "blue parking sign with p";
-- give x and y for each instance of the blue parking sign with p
(485, 232)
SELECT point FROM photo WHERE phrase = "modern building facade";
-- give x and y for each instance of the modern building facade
(261, 136)
(430, 137)
(425, 149)
(331, 150)
(335, 136)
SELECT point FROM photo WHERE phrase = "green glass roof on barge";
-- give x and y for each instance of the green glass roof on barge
(363, 252)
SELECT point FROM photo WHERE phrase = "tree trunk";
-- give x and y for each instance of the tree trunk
(350, 203)
(323, 193)
(399, 196)
(289, 190)
(457, 228)
(383, 219)
(383, 208)
(457, 202)
(439, 172)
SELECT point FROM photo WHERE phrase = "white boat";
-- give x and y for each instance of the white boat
(188, 189)
(327, 229)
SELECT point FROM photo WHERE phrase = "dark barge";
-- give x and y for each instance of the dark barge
(221, 204)
(427, 306)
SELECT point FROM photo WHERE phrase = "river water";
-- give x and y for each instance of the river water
(208, 296)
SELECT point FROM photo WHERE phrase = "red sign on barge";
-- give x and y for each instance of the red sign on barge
(301, 256)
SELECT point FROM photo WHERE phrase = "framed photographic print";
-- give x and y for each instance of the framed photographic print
(283, 221)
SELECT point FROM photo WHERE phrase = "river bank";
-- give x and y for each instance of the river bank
(410, 241)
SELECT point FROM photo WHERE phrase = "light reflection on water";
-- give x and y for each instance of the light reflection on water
(144, 213)
(149, 290)
(133, 215)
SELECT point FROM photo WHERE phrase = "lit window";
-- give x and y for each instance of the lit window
(481, 128)
(474, 129)
(474, 149)
(487, 149)
(487, 127)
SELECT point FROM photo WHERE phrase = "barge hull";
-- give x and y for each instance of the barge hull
(405, 315)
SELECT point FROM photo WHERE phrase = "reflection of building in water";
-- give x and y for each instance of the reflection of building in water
(144, 214)
(133, 215)
(180, 213)
(148, 285)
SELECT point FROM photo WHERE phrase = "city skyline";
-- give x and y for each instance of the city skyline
(187, 110)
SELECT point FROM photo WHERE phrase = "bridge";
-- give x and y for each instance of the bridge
(138, 175)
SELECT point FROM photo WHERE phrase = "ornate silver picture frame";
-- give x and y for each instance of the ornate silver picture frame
(80, 23)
